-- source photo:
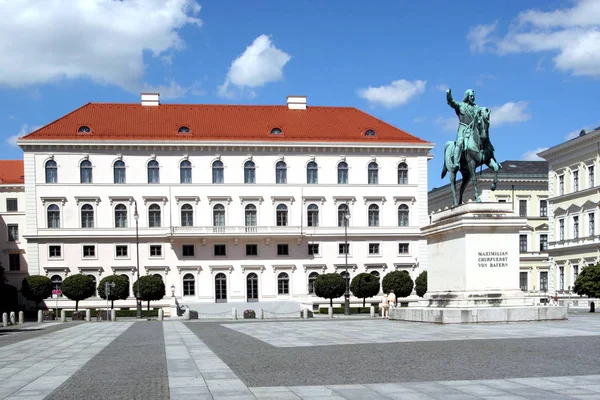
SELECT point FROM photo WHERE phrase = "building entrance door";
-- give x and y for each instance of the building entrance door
(221, 288)
(252, 287)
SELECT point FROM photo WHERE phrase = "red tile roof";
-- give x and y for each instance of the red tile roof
(113, 121)
(11, 171)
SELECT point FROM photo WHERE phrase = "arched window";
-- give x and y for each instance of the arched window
(121, 216)
(119, 171)
(154, 216)
(187, 215)
(217, 172)
(311, 282)
(403, 215)
(252, 287)
(249, 172)
(342, 173)
(282, 215)
(312, 215)
(250, 217)
(53, 216)
(373, 215)
(343, 210)
(87, 216)
(221, 288)
(51, 172)
(56, 283)
(93, 278)
(153, 172)
(402, 174)
(312, 173)
(281, 172)
(189, 285)
(219, 215)
(373, 173)
(85, 171)
(283, 283)
(185, 172)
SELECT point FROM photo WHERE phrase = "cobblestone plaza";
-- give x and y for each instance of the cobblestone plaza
(354, 358)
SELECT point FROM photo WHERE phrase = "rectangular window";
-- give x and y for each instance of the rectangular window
(12, 205)
(402, 248)
(543, 281)
(185, 174)
(592, 224)
(13, 232)
(543, 208)
(119, 174)
(523, 243)
(283, 250)
(543, 242)
(220, 250)
(522, 208)
(561, 185)
(89, 251)
(523, 281)
(251, 249)
(575, 227)
(501, 200)
(187, 250)
(14, 262)
(121, 250)
(342, 176)
(344, 248)
(54, 251)
(575, 181)
(591, 177)
(313, 249)
(374, 248)
(561, 278)
(155, 250)
(561, 229)
(575, 273)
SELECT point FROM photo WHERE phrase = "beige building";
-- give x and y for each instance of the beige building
(573, 208)
(525, 185)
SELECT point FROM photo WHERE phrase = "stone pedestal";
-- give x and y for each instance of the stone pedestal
(473, 273)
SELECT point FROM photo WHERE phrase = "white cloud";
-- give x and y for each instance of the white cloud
(442, 87)
(396, 94)
(419, 119)
(533, 154)
(510, 112)
(447, 124)
(12, 140)
(576, 132)
(572, 34)
(101, 40)
(173, 90)
(259, 64)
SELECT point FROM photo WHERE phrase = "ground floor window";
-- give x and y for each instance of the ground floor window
(189, 285)
(283, 283)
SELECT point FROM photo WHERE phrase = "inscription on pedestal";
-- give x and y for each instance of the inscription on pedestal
(492, 259)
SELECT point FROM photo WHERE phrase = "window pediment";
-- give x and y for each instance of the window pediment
(94, 200)
(159, 199)
(61, 200)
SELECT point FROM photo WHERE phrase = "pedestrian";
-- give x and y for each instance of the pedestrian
(384, 306)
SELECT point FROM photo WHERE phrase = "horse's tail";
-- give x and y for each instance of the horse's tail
(447, 157)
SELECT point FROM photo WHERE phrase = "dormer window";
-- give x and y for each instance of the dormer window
(184, 129)
(84, 129)
(276, 131)
(369, 132)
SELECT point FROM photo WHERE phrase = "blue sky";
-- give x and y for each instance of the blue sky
(536, 64)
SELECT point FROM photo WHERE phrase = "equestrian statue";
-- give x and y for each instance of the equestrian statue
(472, 147)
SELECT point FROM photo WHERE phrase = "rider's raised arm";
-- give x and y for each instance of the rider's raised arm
(450, 100)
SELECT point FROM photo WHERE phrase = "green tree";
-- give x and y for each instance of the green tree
(399, 282)
(421, 284)
(330, 286)
(36, 288)
(152, 288)
(588, 282)
(120, 290)
(78, 287)
(364, 285)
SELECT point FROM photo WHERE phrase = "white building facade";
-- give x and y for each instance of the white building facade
(225, 212)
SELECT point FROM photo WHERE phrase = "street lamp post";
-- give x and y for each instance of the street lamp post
(347, 293)
(136, 216)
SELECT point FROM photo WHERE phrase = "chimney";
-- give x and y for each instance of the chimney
(150, 99)
(296, 102)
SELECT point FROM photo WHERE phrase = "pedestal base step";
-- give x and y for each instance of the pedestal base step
(477, 315)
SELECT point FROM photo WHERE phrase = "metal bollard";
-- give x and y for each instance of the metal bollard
(330, 312)
(113, 315)
(40, 316)
(305, 313)
(4, 320)
(233, 313)
(63, 316)
(160, 314)
(88, 315)
(372, 311)
(21, 318)
(261, 314)
(13, 319)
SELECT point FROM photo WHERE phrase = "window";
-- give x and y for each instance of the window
(576, 227)
(373, 174)
(154, 216)
(312, 277)
(283, 283)
(543, 281)
(543, 242)
(217, 172)
(51, 172)
(561, 185)
(54, 251)
(561, 278)
(89, 251)
(249, 172)
(187, 215)
(14, 262)
(53, 216)
(84, 129)
(189, 285)
(543, 208)
(369, 132)
(591, 224)
(185, 172)
(575, 181)
(12, 205)
(120, 216)
(312, 173)
(251, 249)
(56, 283)
(342, 173)
(155, 250)
(87, 216)
(281, 172)
(187, 250)
(282, 215)
(522, 208)
(219, 215)
(250, 218)
(523, 243)
(373, 249)
(402, 174)
(373, 215)
(312, 215)
(119, 172)
(343, 212)
(220, 250)
(153, 172)
(13, 232)
(575, 272)
(403, 215)
(313, 249)
(283, 249)
(591, 177)
(343, 248)
(402, 248)
(121, 250)
(276, 131)
(183, 130)
(561, 229)
(523, 280)
(501, 200)
(85, 171)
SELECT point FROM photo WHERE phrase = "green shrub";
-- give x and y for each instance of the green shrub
(364, 285)
(353, 310)
(36, 288)
(421, 284)
(330, 286)
(588, 282)
(152, 287)
(78, 287)
(120, 290)
(399, 282)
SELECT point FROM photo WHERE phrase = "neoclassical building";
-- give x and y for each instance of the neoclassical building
(231, 203)
(525, 185)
